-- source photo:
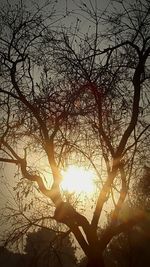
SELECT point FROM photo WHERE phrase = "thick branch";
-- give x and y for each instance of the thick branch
(49, 148)
(103, 196)
(137, 139)
(9, 160)
(53, 193)
(9, 93)
(80, 238)
(65, 213)
(136, 99)
(111, 49)
(98, 99)
(122, 196)
(27, 103)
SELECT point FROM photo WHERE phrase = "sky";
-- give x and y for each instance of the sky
(64, 5)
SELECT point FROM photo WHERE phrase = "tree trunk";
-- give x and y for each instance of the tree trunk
(97, 261)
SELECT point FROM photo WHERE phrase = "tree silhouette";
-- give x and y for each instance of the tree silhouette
(77, 98)
(8, 258)
(43, 251)
(43, 248)
(130, 248)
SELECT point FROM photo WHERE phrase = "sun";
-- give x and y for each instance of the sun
(78, 180)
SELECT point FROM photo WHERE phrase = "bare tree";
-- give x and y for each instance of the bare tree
(67, 94)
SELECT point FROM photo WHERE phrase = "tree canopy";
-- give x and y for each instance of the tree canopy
(43, 248)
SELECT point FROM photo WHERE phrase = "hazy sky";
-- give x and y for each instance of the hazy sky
(63, 5)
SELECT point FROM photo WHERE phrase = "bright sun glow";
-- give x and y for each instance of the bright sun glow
(77, 180)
